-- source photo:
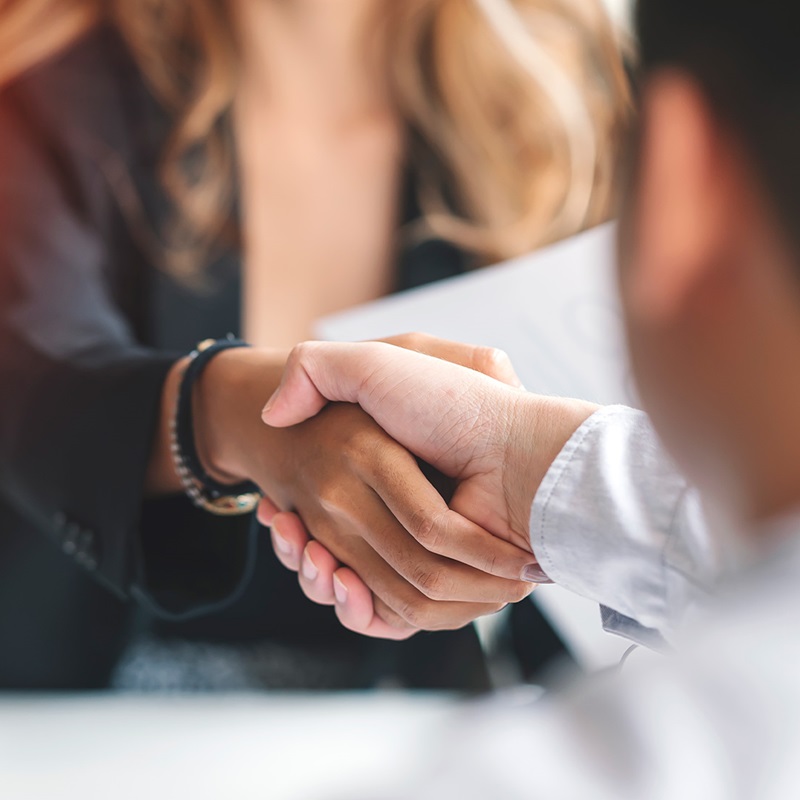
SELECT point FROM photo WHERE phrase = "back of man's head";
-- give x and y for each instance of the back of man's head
(745, 55)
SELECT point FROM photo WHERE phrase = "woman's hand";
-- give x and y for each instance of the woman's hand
(362, 495)
(323, 579)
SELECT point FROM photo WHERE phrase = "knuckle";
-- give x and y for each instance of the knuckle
(299, 353)
(390, 616)
(518, 591)
(430, 582)
(365, 445)
(417, 613)
(333, 499)
(382, 462)
(491, 360)
(522, 590)
(427, 530)
(413, 341)
(489, 563)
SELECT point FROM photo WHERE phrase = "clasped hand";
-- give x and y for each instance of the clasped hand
(426, 564)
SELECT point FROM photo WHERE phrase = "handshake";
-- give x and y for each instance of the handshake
(361, 523)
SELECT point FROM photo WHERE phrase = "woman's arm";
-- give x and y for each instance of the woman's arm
(84, 423)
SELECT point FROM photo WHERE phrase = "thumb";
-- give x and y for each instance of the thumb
(427, 405)
(317, 373)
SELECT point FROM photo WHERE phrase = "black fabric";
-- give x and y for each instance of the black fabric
(89, 327)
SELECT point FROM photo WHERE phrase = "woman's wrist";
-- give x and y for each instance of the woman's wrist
(227, 401)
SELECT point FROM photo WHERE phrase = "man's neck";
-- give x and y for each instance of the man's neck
(769, 450)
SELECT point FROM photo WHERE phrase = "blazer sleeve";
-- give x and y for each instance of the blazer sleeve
(79, 395)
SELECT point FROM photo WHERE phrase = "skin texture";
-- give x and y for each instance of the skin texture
(474, 429)
(711, 296)
(321, 150)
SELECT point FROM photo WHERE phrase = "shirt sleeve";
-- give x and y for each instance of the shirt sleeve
(614, 521)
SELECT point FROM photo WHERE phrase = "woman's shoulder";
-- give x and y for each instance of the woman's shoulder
(90, 91)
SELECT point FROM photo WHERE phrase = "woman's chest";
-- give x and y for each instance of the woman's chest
(320, 212)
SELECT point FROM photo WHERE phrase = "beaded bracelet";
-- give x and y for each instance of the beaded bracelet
(205, 492)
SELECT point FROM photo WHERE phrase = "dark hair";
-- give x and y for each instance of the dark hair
(745, 57)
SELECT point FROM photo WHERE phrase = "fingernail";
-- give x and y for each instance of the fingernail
(310, 570)
(533, 574)
(280, 543)
(339, 589)
(270, 403)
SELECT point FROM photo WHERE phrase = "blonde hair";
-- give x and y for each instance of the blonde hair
(515, 108)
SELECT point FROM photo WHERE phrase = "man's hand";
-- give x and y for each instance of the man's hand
(495, 440)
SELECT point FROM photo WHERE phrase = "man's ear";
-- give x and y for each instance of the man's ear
(684, 209)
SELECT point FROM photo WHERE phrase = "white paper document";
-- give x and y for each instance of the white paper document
(554, 312)
(557, 315)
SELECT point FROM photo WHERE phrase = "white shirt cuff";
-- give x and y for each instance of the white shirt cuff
(615, 522)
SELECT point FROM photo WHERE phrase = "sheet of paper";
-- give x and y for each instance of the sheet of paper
(556, 314)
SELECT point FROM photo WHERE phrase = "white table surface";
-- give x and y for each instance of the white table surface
(230, 747)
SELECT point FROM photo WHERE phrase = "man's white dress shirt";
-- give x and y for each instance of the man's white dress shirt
(718, 718)
(614, 498)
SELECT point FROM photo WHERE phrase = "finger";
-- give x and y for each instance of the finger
(317, 567)
(488, 360)
(408, 603)
(355, 608)
(435, 576)
(422, 512)
(266, 511)
(299, 396)
(438, 410)
(319, 372)
(289, 539)
(440, 578)
(389, 616)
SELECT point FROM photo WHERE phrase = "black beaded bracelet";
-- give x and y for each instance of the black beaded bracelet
(204, 491)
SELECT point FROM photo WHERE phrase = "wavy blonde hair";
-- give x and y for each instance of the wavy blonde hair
(515, 108)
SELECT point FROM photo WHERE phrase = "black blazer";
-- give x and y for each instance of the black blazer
(89, 327)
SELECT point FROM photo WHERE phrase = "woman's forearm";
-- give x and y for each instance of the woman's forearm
(231, 439)
(227, 402)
